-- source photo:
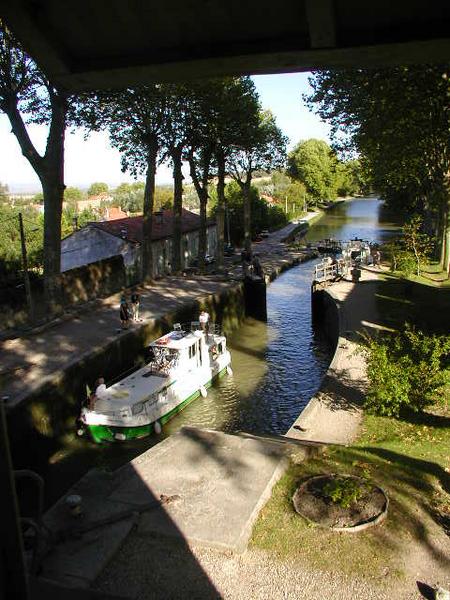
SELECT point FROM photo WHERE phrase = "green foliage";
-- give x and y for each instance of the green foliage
(388, 380)
(4, 192)
(410, 252)
(405, 369)
(317, 167)
(38, 198)
(263, 215)
(72, 195)
(344, 491)
(398, 120)
(163, 197)
(72, 220)
(417, 242)
(406, 263)
(282, 187)
(98, 188)
(129, 196)
(10, 246)
(313, 163)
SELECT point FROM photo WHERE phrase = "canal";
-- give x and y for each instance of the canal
(277, 366)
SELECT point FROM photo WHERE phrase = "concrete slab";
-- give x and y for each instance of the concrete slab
(77, 562)
(223, 481)
(218, 482)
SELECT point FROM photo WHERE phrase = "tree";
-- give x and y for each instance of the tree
(130, 196)
(398, 119)
(72, 195)
(286, 190)
(263, 215)
(98, 188)
(175, 140)
(205, 120)
(10, 242)
(417, 242)
(263, 149)
(26, 93)
(313, 163)
(4, 192)
(136, 120)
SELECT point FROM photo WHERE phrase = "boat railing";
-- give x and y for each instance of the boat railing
(213, 328)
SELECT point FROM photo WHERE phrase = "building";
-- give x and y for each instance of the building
(103, 239)
(270, 200)
(112, 213)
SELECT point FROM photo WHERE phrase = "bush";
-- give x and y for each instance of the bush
(405, 369)
(406, 263)
(343, 491)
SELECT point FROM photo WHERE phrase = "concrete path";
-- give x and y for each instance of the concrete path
(28, 362)
(217, 483)
(334, 413)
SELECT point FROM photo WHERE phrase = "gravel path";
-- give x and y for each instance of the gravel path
(144, 571)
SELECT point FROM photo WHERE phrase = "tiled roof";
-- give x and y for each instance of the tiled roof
(112, 213)
(270, 200)
(131, 227)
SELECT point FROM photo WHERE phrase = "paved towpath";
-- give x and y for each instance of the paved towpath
(334, 414)
(30, 361)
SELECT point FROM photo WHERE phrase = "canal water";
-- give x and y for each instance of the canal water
(277, 366)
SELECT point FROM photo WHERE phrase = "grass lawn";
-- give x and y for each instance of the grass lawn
(408, 457)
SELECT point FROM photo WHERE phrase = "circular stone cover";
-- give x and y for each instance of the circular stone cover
(312, 501)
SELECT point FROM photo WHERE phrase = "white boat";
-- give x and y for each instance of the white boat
(183, 364)
(356, 250)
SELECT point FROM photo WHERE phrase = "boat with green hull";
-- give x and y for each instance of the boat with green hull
(183, 364)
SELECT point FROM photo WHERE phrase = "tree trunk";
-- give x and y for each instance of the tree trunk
(220, 214)
(53, 191)
(201, 187)
(50, 170)
(445, 224)
(247, 216)
(202, 242)
(177, 209)
(147, 271)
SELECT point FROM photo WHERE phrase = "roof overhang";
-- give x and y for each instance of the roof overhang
(83, 44)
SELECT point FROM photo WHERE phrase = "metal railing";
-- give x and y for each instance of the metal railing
(195, 326)
(326, 271)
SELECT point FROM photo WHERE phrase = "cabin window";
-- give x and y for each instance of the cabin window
(220, 348)
(192, 350)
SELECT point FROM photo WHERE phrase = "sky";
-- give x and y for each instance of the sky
(87, 161)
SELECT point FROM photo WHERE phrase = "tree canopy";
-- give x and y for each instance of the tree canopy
(98, 188)
(26, 96)
(398, 119)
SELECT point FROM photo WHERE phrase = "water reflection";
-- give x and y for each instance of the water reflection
(277, 366)
(365, 218)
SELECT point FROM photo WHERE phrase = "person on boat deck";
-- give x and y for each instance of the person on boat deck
(204, 320)
(102, 395)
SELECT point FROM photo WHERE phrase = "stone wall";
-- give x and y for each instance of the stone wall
(46, 422)
(96, 280)
(325, 314)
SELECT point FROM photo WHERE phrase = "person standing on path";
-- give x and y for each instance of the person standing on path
(377, 258)
(135, 301)
(124, 312)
